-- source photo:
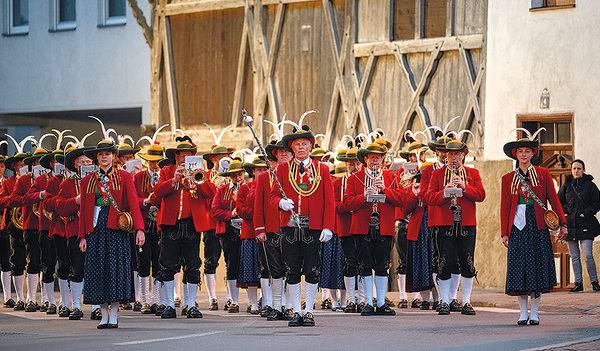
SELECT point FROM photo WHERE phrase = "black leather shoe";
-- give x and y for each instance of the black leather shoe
(385, 310)
(360, 307)
(308, 320)
(577, 287)
(455, 306)
(275, 315)
(153, 308)
(102, 326)
(160, 309)
(227, 304)
(214, 305)
(137, 306)
(96, 314)
(266, 311)
(368, 310)
(113, 326)
(326, 304)
(350, 308)
(184, 311)
(403, 303)
(10, 303)
(534, 322)
(51, 309)
(145, 309)
(296, 320)
(287, 314)
(233, 308)
(444, 309)
(64, 311)
(522, 322)
(416, 303)
(595, 286)
(19, 306)
(127, 306)
(425, 305)
(37, 306)
(436, 305)
(30, 307)
(169, 312)
(75, 314)
(193, 312)
(44, 306)
(468, 310)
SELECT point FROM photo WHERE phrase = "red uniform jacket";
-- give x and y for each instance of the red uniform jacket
(245, 208)
(416, 209)
(8, 185)
(122, 190)
(17, 199)
(544, 190)
(168, 195)
(57, 226)
(399, 213)
(321, 202)
(343, 217)
(33, 197)
(67, 207)
(222, 206)
(442, 215)
(395, 195)
(143, 186)
(266, 216)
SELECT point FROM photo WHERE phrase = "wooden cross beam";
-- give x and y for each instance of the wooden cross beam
(474, 85)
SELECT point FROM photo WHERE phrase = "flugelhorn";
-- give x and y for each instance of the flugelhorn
(16, 217)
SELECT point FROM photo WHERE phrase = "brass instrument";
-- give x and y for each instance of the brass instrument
(191, 179)
(35, 209)
(47, 214)
(454, 202)
(16, 217)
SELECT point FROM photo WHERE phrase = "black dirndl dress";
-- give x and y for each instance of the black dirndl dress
(530, 263)
(332, 266)
(249, 270)
(420, 260)
(108, 275)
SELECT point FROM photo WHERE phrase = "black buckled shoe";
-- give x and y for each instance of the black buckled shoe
(169, 312)
(75, 314)
(266, 311)
(326, 304)
(308, 320)
(44, 306)
(214, 305)
(436, 306)
(360, 307)
(385, 310)
(296, 320)
(193, 312)
(468, 310)
(288, 314)
(403, 303)
(444, 309)
(96, 314)
(455, 306)
(425, 305)
(127, 306)
(595, 286)
(30, 307)
(160, 309)
(233, 308)
(275, 315)
(184, 311)
(19, 306)
(368, 310)
(145, 309)
(137, 306)
(350, 308)
(227, 305)
(64, 311)
(51, 309)
(10, 303)
(416, 303)
(153, 308)
(389, 302)
(577, 287)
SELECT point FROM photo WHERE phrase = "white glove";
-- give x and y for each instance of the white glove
(326, 234)
(286, 204)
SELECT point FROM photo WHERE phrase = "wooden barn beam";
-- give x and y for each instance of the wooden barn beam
(213, 5)
(141, 20)
(170, 74)
(474, 41)
(473, 90)
(240, 80)
(156, 51)
(360, 110)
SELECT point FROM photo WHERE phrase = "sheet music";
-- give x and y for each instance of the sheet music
(23, 170)
(87, 169)
(38, 170)
(130, 166)
(58, 169)
(194, 162)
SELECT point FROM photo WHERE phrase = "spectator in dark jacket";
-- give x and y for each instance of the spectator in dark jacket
(580, 201)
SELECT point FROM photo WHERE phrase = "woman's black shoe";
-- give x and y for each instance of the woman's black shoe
(169, 312)
(577, 288)
(113, 326)
(103, 326)
(296, 321)
(595, 286)
(522, 322)
(534, 322)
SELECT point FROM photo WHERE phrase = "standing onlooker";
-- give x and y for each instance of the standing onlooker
(580, 201)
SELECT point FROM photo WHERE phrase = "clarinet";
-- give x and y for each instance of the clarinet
(454, 206)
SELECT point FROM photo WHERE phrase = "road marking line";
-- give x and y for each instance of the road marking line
(168, 339)
(565, 344)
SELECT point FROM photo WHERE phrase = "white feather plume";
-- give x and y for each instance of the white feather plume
(105, 132)
(59, 136)
(151, 141)
(304, 116)
(218, 139)
(21, 145)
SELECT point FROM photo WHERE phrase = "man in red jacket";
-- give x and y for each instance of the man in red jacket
(454, 215)
(5, 253)
(312, 208)
(183, 216)
(373, 222)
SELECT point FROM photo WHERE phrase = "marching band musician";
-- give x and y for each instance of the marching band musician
(31, 223)
(6, 228)
(456, 232)
(309, 185)
(373, 223)
(183, 216)
(229, 225)
(149, 256)
(67, 205)
(266, 221)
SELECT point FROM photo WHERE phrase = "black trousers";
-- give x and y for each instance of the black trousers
(212, 251)
(76, 259)
(373, 250)
(231, 243)
(271, 265)
(5, 251)
(48, 257)
(134, 252)
(18, 256)
(62, 256)
(350, 256)
(149, 256)
(300, 250)
(456, 243)
(401, 244)
(32, 248)
(180, 242)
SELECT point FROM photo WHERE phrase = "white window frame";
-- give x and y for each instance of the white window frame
(9, 29)
(55, 24)
(105, 20)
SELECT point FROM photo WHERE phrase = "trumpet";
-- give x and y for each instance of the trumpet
(191, 179)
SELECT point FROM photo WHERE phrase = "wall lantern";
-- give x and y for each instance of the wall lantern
(545, 99)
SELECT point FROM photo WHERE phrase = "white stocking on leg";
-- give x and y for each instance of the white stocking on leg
(137, 284)
(49, 289)
(252, 292)
(467, 287)
(522, 307)
(211, 286)
(105, 313)
(435, 291)
(63, 286)
(266, 290)
(18, 281)
(144, 287)
(381, 287)
(402, 286)
(535, 307)
(112, 317)
(192, 292)
(455, 281)
(32, 283)
(6, 285)
(361, 290)
(276, 290)
(310, 295)
(368, 286)
(445, 290)
(350, 283)
(233, 290)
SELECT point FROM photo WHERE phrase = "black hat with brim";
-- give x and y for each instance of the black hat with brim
(439, 143)
(126, 149)
(165, 162)
(9, 162)
(219, 150)
(257, 162)
(46, 159)
(271, 150)
(182, 146)
(510, 148)
(91, 152)
(299, 134)
(454, 145)
(37, 154)
(235, 166)
(72, 155)
(373, 148)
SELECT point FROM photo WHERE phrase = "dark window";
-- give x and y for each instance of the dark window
(20, 12)
(116, 8)
(404, 19)
(537, 4)
(434, 18)
(66, 11)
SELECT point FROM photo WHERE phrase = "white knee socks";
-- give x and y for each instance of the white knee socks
(233, 291)
(252, 292)
(295, 296)
(416, 295)
(105, 313)
(445, 290)
(361, 291)
(381, 287)
(114, 308)
(192, 292)
(144, 287)
(277, 291)
(211, 285)
(18, 281)
(342, 297)
(32, 283)
(77, 289)
(155, 299)
(137, 285)
(455, 279)
(310, 295)
(350, 283)
(266, 290)
(522, 307)
(325, 294)
(467, 287)
(368, 286)
(185, 295)
(435, 291)
(227, 291)
(170, 293)
(6, 285)
(63, 286)
(49, 290)
(402, 286)
(535, 307)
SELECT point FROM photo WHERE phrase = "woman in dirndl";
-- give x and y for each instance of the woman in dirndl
(108, 271)
(530, 262)
(249, 269)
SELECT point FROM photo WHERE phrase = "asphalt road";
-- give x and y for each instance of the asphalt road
(493, 328)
